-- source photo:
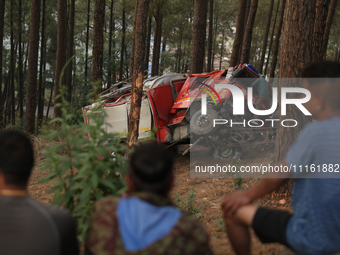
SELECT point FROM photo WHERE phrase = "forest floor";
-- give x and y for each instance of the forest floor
(206, 197)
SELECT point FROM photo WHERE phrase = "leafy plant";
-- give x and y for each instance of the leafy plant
(83, 170)
(188, 203)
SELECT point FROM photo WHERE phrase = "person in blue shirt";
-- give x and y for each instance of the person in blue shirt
(314, 227)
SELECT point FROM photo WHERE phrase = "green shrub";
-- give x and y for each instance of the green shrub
(81, 170)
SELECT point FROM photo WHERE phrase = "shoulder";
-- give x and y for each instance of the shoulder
(106, 204)
(189, 224)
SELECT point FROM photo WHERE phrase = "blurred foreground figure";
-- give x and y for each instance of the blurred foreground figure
(28, 227)
(314, 227)
(146, 222)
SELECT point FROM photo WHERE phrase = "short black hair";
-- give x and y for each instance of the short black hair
(324, 79)
(16, 157)
(150, 168)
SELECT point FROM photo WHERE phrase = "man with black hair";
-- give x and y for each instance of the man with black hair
(27, 226)
(146, 222)
(314, 227)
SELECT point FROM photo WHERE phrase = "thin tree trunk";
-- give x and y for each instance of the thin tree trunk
(277, 41)
(137, 86)
(98, 43)
(31, 99)
(237, 45)
(222, 48)
(329, 22)
(271, 39)
(122, 45)
(296, 53)
(210, 35)
(2, 16)
(198, 36)
(264, 46)
(87, 38)
(42, 47)
(21, 80)
(70, 53)
(157, 42)
(249, 32)
(148, 40)
(133, 38)
(214, 42)
(61, 53)
(12, 97)
(110, 44)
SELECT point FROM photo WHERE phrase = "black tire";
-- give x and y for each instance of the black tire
(203, 124)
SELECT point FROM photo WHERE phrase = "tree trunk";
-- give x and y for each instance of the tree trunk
(137, 86)
(239, 32)
(133, 38)
(42, 47)
(31, 99)
(329, 22)
(222, 48)
(87, 38)
(248, 32)
(98, 44)
(2, 16)
(12, 64)
(271, 39)
(264, 46)
(295, 54)
(21, 80)
(321, 12)
(210, 35)
(70, 53)
(148, 40)
(214, 43)
(198, 36)
(61, 54)
(157, 42)
(277, 41)
(112, 27)
(122, 45)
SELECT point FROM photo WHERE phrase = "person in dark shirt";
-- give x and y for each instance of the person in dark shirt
(146, 222)
(27, 226)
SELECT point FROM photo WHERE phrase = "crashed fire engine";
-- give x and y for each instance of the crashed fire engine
(172, 108)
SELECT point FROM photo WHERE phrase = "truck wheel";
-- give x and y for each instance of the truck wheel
(203, 124)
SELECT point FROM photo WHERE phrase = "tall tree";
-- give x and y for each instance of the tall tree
(137, 86)
(98, 42)
(295, 53)
(70, 52)
(321, 12)
(87, 38)
(2, 16)
(198, 36)
(277, 41)
(21, 79)
(122, 44)
(148, 40)
(329, 22)
(41, 64)
(272, 36)
(12, 64)
(210, 35)
(31, 98)
(133, 38)
(265, 40)
(157, 39)
(61, 53)
(249, 32)
(112, 28)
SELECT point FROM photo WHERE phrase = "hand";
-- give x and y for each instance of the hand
(234, 201)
